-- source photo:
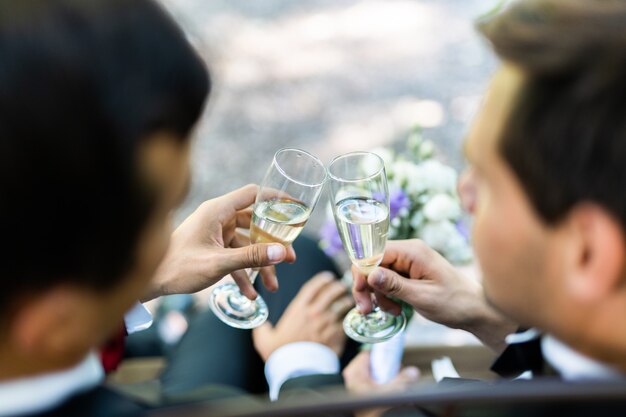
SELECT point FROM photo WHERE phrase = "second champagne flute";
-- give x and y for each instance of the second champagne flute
(360, 200)
(284, 202)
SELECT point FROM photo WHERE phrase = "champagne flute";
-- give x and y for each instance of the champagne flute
(360, 202)
(284, 202)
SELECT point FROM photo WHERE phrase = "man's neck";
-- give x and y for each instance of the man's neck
(14, 365)
(595, 332)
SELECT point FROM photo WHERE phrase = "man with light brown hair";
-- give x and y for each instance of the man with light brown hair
(547, 188)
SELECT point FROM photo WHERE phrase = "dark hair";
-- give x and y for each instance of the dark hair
(82, 84)
(566, 135)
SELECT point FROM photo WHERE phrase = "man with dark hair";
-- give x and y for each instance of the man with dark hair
(546, 188)
(98, 100)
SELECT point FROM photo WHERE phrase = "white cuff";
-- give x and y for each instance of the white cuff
(137, 319)
(298, 359)
(386, 358)
(523, 337)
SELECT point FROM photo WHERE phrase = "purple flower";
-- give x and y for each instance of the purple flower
(330, 241)
(463, 230)
(398, 200)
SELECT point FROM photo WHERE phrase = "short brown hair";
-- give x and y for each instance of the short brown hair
(566, 136)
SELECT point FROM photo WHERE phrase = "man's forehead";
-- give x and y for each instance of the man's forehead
(494, 114)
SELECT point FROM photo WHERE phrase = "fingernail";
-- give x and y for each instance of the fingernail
(379, 278)
(275, 253)
(328, 276)
(411, 372)
(359, 307)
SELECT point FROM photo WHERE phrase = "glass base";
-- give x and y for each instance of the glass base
(234, 309)
(374, 327)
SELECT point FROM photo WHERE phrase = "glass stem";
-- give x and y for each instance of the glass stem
(254, 272)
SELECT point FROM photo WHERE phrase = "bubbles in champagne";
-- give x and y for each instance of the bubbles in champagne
(279, 221)
(363, 225)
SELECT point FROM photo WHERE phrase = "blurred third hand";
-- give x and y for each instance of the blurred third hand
(314, 315)
(358, 379)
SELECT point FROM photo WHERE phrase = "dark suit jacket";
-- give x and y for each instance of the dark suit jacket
(103, 401)
(98, 402)
(515, 360)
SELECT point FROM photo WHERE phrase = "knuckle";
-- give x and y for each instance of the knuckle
(394, 286)
(422, 249)
(356, 284)
(328, 318)
(238, 277)
(315, 281)
(255, 256)
(420, 245)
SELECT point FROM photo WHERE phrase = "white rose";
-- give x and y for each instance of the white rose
(426, 149)
(444, 237)
(415, 179)
(404, 172)
(441, 207)
(416, 220)
(458, 250)
(436, 177)
(438, 234)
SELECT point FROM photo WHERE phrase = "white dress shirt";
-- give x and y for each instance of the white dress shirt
(574, 366)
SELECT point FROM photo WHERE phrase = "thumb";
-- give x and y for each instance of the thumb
(389, 283)
(406, 376)
(253, 256)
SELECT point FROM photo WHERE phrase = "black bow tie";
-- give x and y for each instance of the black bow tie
(518, 358)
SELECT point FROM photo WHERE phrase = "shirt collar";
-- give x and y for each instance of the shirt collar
(573, 366)
(43, 392)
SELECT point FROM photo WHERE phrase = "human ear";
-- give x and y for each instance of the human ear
(596, 262)
(54, 325)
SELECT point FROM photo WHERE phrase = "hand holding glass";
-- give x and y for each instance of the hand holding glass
(360, 201)
(284, 202)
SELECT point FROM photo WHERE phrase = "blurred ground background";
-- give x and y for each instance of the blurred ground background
(330, 76)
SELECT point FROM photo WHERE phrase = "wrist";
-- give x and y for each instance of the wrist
(489, 326)
(265, 350)
(158, 286)
(475, 312)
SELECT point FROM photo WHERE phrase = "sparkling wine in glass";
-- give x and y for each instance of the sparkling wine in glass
(360, 201)
(278, 221)
(284, 202)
